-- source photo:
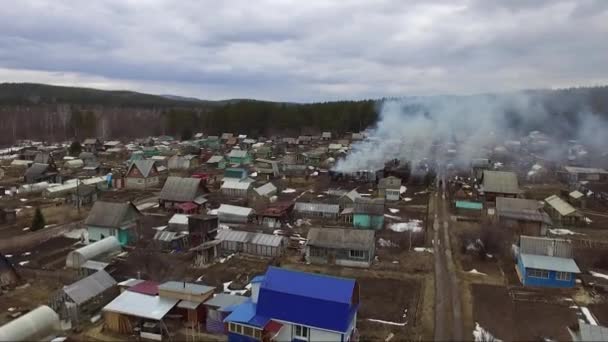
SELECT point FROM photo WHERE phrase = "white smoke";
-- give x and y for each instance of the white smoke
(472, 125)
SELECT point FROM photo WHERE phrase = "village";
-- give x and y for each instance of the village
(241, 238)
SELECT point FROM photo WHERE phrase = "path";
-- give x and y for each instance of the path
(29, 239)
(448, 307)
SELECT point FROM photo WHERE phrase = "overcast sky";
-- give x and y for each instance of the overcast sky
(308, 50)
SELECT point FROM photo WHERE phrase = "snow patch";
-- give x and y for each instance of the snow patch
(235, 292)
(422, 249)
(289, 191)
(255, 174)
(598, 275)
(386, 243)
(402, 189)
(407, 199)
(413, 226)
(393, 211)
(392, 217)
(474, 271)
(223, 260)
(23, 263)
(562, 231)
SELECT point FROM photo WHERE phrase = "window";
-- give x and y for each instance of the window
(248, 331)
(317, 252)
(536, 273)
(300, 332)
(565, 276)
(257, 334)
(357, 254)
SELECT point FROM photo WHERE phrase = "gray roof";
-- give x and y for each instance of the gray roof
(90, 141)
(89, 287)
(143, 165)
(180, 189)
(35, 171)
(42, 158)
(562, 207)
(371, 206)
(183, 287)
(545, 246)
(214, 159)
(249, 237)
(543, 262)
(341, 238)
(109, 214)
(500, 182)
(224, 300)
(390, 182)
(238, 154)
(267, 189)
(516, 204)
(587, 170)
(317, 207)
(234, 210)
(592, 333)
(521, 209)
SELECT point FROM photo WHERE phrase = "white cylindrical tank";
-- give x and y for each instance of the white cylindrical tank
(36, 324)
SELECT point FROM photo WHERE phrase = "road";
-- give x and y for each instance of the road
(448, 307)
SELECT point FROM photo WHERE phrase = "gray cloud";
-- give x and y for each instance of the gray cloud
(306, 50)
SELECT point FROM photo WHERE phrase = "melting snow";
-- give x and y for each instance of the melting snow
(474, 271)
(23, 199)
(8, 255)
(213, 212)
(588, 220)
(387, 322)
(314, 174)
(482, 335)
(407, 199)
(598, 275)
(223, 260)
(413, 226)
(386, 243)
(402, 189)
(26, 253)
(588, 315)
(394, 211)
(23, 263)
(26, 229)
(289, 191)
(392, 217)
(562, 231)
(255, 174)
(235, 292)
(422, 249)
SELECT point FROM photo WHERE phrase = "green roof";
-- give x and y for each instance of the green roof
(469, 205)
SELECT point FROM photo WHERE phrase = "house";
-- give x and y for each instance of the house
(40, 173)
(111, 144)
(178, 190)
(95, 251)
(218, 308)
(288, 305)
(276, 214)
(186, 162)
(574, 174)
(326, 136)
(368, 213)
(262, 152)
(389, 188)
(562, 212)
(142, 174)
(468, 208)
(522, 216)
(261, 197)
(236, 187)
(217, 162)
(212, 142)
(499, 184)
(40, 324)
(92, 145)
(73, 302)
(577, 198)
(344, 247)
(191, 298)
(304, 140)
(202, 228)
(239, 157)
(235, 173)
(84, 195)
(227, 213)
(546, 262)
(267, 245)
(8, 275)
(44, 158)
(586, 332)
(226, 136)
(117, 219)
(478, 166)
(268, 168)
(317, 210)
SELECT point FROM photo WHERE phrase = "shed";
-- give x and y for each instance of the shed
(546, 262)
(252, 243)
(588, 332)
(323, 210)
(236, 187)
(113, 219)
(368, 213)
(8, 274)
(77, 258)
(524, 216)
(389, 188)
(39, 324)
(562, 212)
(234, 214)
(345, 247)
(499, 184)
(179, 190)
(191, 298)
(239, 157)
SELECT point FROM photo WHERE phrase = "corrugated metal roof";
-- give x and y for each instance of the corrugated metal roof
(215, 159)
(469, 205)
(236, 184)
(141, 305)
(516, 204)
(110, 214)
(562, 207)
(545, 246)
(370, 206)
(576, 194)
(543, 262)
(317, 207)
(592, 333)
(180, 189)
(143, 165)
(89, 287)
(266, 189)
(500, 182)
(183, 287)
(249, 237)
(224, 300)
(228, 209)
(341, 238)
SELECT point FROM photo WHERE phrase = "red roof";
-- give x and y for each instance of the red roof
(188, 206)
(147, 287)
(278, 209)
(273, 326)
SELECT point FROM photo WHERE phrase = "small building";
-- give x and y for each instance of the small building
(261, 197)
(73, 164)
(276, 214)
(574, 174)
(499, 184)
(347, 200)
(468, 208)
(326, 136)
(235, 173)
(218, 308)
(92, 145)
(344, 247)
(227, 213)
(226, 136)
(179, 190)
(239, 157)
(85, 297)
(586, 332)
(8, 275)
(142, 174)
(259, 244)
(236, 187)
(317, 210)
(268, 168)
(40, 173)
(546, 262)
(40, 324)
(83, 196)
(111, 144)
(562, 212)
(186, 162)
(191, 298)
(288, 305)
(202, 228)
(94, 251)
(522, 216)
(117, 219)
(389, 188)
(577, 198)
(368, 213)
(218, 162)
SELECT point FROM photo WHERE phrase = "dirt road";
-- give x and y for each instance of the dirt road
(448, 308)
(30, 239)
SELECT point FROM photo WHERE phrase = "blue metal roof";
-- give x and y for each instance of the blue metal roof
(257, 279)
(310, 299)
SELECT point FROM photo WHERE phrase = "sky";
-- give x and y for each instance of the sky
(313, 50)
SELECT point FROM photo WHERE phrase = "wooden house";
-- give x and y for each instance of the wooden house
(344, 247)
(142, 174)
(92, 145)
(368, 213)
(389, 188)
(179, 190)
(118, 219)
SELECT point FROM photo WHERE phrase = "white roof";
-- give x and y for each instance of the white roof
(576, 194)
(576, 169)
(236, 184)
(234, 210)
(563, 208)
(141, 305)
(179, 219)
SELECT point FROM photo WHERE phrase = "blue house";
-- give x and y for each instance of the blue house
(546, 262)
(288, 305)
(368, 213)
